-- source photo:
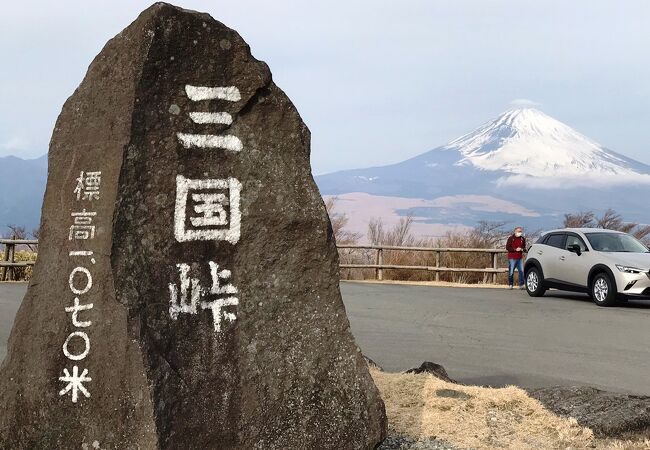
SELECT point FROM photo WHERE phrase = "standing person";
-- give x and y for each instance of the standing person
(516, 246)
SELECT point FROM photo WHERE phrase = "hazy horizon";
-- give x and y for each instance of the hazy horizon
(375, 82)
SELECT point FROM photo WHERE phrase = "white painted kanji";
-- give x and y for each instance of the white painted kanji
(75, 309)
(82, 228)
(75, 383)
(76, 346)
(211, 141)
(214, 117)
(215, 213)
(217, 310)
(75, 287)
(189, 297)
(79, 356)
(187, 300)
(88, 184)
(227, 142)
(198, 93)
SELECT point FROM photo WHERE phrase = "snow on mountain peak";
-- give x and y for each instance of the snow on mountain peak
(527, 142)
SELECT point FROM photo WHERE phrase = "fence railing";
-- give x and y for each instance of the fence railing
(9, 263)
(379, 265)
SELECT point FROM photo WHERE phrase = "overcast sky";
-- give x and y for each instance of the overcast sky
(376, 81)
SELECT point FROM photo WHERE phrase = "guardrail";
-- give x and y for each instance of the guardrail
(7, 266)
(9, 262)
(379, 265)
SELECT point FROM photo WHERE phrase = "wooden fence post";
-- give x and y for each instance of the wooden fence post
(495, 267)
(11, 252)
(380, 261)
(5, 259)
(437, 266)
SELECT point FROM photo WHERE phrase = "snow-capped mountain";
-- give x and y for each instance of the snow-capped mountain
(528, 142)
(523, 160)
(523, 167)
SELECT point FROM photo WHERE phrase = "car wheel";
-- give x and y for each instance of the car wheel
(535, 282)
(603, 291)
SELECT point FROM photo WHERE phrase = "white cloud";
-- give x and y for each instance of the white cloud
(561, 183)
(16, 143)
(524, 103)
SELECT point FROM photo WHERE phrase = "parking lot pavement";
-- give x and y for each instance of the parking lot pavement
(483, 336)
(11, 294)
(499, 337)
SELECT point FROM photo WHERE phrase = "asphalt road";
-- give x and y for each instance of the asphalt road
(498, 337)
(484, 336)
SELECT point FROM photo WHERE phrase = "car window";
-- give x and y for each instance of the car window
(556, 240)
(615, 242)
(575, 240)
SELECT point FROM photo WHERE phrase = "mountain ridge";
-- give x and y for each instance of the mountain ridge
(22, 186)
(523, 156)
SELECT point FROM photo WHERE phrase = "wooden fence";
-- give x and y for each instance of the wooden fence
(9, 263)
(379, 265)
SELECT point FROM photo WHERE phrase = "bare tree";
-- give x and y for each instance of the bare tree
(583, 219)
(609, 220)
(339, 222)
(16, 232)
(400, 235)
(488, 234)
(376, 235)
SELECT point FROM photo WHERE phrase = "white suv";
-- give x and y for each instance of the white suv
(608, 265)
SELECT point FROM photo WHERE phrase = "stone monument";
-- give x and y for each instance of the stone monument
(186, 294)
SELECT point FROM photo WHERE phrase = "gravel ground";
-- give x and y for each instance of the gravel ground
(397, 442)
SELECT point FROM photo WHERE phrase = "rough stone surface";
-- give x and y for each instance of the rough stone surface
(452, 393)
(608, 414)
(278, 368)
(372, 364)
(434, 369)
(400, 442)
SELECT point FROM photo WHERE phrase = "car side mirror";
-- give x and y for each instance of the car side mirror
(575, 248)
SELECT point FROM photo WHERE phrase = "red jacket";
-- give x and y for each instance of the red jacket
(513, 243)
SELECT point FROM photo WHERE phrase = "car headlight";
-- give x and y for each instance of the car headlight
(628, 269)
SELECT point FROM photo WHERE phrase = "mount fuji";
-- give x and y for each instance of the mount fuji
(523, 167)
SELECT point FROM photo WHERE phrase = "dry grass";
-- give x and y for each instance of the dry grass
(482, 418)
(21, 273)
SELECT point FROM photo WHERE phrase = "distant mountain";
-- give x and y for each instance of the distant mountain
(528, 142)
(523, 167)
(22, 185)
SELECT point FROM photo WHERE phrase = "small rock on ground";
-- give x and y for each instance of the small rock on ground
(434, 369)
(399, 442)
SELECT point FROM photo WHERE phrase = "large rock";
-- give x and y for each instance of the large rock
(187, 296)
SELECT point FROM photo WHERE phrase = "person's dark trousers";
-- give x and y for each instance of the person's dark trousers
(512, 265)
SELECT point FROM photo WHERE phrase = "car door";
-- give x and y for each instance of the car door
(548, 254)
(574, 268)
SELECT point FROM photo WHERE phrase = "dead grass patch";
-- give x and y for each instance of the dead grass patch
(479, 418)
(422, 406)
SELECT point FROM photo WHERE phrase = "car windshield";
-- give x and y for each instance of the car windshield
(615, 242)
